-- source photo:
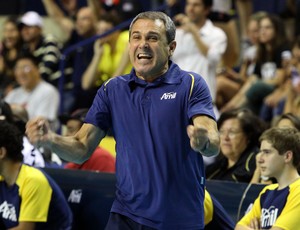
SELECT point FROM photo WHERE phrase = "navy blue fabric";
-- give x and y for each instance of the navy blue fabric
(160, 179)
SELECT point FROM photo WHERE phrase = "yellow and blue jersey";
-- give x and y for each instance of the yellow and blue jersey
(35, 197)
(276, 207)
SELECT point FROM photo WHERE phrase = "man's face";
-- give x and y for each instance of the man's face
(27, 73)
(85, 23)
(270, 162)
(149, 50)
(195, 10)
(30, 33)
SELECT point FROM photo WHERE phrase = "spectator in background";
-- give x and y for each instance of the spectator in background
(287, 120)
(111, 57)
(142, 107)
(278, 205)
(32, 156)
(221, 15)
(76, 29)
(229, 81)
(244, 11)
(30, 198)
(291, 103)
(123, 9)
(239, 132)
(35, 95)
(200, 44)
(269, 73)
(46, 48)
(101, 160)
(9, 50)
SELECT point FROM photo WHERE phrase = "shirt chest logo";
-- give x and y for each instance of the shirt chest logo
(8, 211)
(168, 96)
(269, 216)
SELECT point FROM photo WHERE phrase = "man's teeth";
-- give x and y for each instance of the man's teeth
(147, 56)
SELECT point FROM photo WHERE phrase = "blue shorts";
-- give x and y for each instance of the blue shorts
(119, 222)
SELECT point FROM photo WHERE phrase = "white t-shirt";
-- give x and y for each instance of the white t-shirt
(189, 57)
(43, 100)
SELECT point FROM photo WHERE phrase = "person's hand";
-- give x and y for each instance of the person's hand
(184, 22)
(98, 46)
(38, 131)
(198, 137)
(255, 224)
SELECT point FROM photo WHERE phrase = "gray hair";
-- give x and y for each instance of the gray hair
(154, 15)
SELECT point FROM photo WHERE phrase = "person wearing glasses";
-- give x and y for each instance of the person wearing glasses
(34, 96)
(239, 132)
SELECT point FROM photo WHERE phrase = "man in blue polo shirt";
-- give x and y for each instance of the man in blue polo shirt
(163, 121)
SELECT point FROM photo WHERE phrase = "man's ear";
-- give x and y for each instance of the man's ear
(288, 156)
(172, 47)
(2, 152)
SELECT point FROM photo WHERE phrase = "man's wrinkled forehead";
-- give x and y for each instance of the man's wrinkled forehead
(157, 28)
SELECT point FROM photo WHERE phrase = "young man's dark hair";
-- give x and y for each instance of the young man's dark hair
(12, 139)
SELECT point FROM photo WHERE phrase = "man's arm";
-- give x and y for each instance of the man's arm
(77, 148)
(56, 14)
(97, 8)
(24, 226)
(204, 135)
(187, 25)
(241, 227)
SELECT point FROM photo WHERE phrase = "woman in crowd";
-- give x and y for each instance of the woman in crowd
(9, 50)
(269, 73)
(110, 58)
(239, 132)
(228, 80)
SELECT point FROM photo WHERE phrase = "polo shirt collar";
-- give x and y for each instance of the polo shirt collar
(172, 76)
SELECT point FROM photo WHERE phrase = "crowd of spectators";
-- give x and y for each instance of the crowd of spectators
(249, 59)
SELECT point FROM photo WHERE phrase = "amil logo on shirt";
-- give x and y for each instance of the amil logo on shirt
(268, 216)
(8, 211)
(167, 96)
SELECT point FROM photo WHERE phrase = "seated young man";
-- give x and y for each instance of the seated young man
(278, 205)
(29, 199)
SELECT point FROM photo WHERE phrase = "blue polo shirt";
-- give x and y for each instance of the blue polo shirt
(160, 179)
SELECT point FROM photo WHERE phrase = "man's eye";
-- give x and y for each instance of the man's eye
(153, 38)
(135, 37)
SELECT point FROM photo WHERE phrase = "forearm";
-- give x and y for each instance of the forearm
(57, 15)
(90, 74)
(68, 148)
(240, 227)
(202, 47)
(52, 9)
(256, 177)
(96, 6)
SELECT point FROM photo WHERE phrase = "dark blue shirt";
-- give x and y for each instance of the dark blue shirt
(160, 179)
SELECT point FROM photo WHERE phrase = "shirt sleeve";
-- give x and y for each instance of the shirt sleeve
(36, 195)
(289, 217)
